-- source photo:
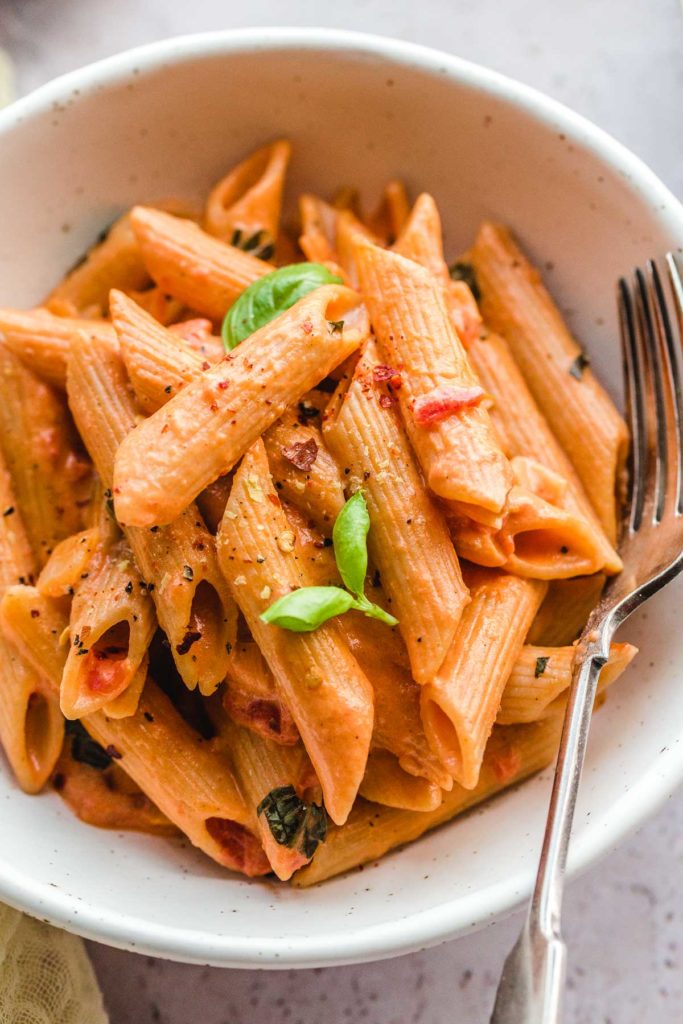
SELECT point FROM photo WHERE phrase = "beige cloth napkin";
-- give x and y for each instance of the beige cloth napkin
(45, 974)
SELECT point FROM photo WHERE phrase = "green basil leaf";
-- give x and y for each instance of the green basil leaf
(350, 547)
(305, 609)
(374, 611)
(292, 822)
(271, 295)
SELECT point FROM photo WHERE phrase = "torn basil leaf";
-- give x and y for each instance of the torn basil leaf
(349, 537)
(293, 823)
(541, 665)
(307, 608)
(270, 296)
(462, 271)
(84, 748)
(579, 365)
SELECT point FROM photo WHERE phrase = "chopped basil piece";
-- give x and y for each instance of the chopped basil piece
(84, 748)
(541, 665)
(579, 365)
(292, 822)
(462, 271)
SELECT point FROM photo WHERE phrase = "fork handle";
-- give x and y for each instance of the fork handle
(532, 983)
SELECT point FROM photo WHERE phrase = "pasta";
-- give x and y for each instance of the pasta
(298, 526)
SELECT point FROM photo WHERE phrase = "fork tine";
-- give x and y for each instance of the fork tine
(676, 288)
(635, 407)
(655, 405)
(674, 398)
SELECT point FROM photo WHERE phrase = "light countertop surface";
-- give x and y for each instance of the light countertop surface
(619, 62)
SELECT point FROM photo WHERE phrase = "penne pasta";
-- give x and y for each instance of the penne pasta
(580, 413)
(31, 725)
(457, 449)
(512, 755)
(51, 477)
(68, 564)
(177, 562)
(42, 341)
(460, 704)
(202, 272)
(318, 238)
(385, 782)
(251, 697)
(409, 540)
(541, 676)
(244, 207)
(200, 434)
(389, 219)
(565, 610)
(322, 684)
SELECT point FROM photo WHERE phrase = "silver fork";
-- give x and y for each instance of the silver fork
(531, 987)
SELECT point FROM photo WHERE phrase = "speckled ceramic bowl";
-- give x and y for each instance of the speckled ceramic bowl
(169, 119)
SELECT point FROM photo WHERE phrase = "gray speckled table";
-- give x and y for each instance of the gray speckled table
(619, 62)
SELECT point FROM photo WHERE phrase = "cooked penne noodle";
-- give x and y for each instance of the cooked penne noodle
(200, 434)
(321, 682)
(251, 697)
(393, 211)
(541, 676)
(67, 565)
(38, 627)
(385, 782)
(115, 262)
(42, 341)
(565, 610)
(111, 626)
(580, 413)
(460, 704)
(318, 238)
(201, 271)
(513, 753)
(303, 470)
(262, 767)
(51, 477)
(409, 540)
(176, 561)
(244, 207)
(459, 454)
(526, 429)
(31, 724)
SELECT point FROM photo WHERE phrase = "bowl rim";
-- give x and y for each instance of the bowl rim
(435, 924)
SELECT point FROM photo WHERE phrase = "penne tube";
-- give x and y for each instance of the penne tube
(460, 704)
(579, 412)
(512, 754)
(263, 769)
(31, 725)
(408, 540)
(178, 561)
(38, 627)
(385, 782)
(244, 207)
(439, 395)
(115, 262)
(42, 341)
(158, 361)
(318, 238)
(106, 797)
(389, 219)
(68, 564)
(565, 610)
(251, 697)
(539, 683)
(200, 434)
(527, 431)
(314, 487)
(325, 689)
(51, 477)
(202, 272)
(420, 240)
(111, 627)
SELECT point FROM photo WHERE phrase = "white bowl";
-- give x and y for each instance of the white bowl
(169, 119)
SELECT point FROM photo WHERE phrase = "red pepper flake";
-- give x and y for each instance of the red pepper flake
(307, 327)
(35, 614)
(301, 454)
(206, 365)
(222, 384)
(440, 403)
(386, 401)
(382, 374)
(113, 752)
(214, 407)
(190, 638)
(274, 500)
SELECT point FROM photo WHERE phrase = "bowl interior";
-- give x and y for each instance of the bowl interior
(169, 121)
